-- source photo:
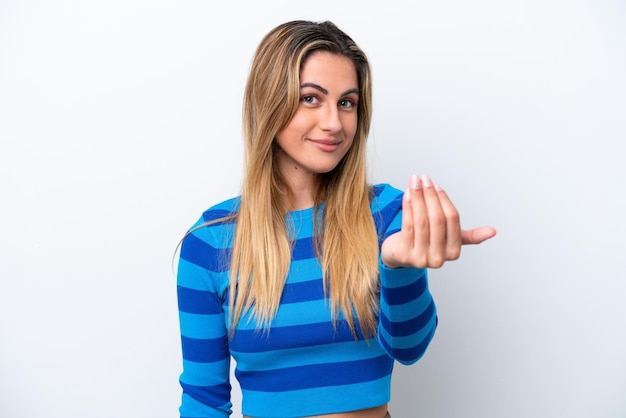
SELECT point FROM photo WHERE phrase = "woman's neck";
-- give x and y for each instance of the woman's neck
(302, 191)
(300, 197)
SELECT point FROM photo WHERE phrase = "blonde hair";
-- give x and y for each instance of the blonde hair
(347, 245)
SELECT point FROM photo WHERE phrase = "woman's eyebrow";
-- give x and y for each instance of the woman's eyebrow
(315, 86)
(324, 91)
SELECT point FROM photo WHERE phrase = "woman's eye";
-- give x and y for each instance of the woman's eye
(309, 99)
(347, 103)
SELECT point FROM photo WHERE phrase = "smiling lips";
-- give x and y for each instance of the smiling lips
(327, 145)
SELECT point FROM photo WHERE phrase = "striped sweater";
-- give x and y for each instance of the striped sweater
(304, 365)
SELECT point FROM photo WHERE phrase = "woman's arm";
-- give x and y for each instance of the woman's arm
(206, 358)
(424, 233)
(408, 316)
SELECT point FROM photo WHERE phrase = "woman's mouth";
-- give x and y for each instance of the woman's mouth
(326, 145)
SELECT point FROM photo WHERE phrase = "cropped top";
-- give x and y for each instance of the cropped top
(304, 365)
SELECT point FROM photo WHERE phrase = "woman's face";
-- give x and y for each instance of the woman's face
(322, 130)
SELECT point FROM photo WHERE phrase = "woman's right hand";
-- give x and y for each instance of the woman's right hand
(431, 232)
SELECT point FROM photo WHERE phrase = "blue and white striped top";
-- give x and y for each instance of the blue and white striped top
(304, 365)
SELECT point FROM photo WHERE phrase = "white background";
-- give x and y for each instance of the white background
(120, 123)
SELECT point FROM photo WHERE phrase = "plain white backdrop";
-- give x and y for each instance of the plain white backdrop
(120, 123)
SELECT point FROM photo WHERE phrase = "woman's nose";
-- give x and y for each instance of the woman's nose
(329, 119)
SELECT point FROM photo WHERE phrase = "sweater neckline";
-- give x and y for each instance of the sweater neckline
(303, 214)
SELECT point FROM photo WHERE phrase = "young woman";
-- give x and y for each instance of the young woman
(313, 280)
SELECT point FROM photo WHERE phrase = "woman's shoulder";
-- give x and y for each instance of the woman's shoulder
(225, 210)
(214, 228)
(218, 216)
(386, 206)
(384, 194)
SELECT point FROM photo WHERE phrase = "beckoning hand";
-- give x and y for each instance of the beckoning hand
(431, 231)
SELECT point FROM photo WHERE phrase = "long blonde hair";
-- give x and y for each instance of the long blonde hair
(347, 244)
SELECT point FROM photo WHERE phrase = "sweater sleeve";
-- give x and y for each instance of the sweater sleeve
(408, 316)
(206, 358)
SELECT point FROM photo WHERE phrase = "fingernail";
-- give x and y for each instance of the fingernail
(437, 186)
(407, 195)
(426, 181)
(415, 182)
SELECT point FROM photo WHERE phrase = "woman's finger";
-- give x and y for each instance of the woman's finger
(407, 219)
(419, 219)
(453, 224)
(437, 224)
(477, 235)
